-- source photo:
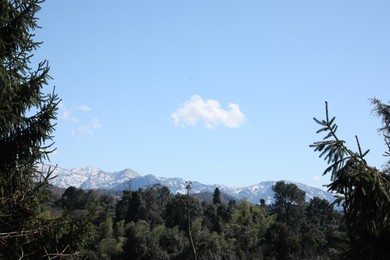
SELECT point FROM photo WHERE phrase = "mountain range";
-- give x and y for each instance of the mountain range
(95, 178)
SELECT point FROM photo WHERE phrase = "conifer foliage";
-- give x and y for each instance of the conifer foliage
(364, 190)
(26, 115)
(217, 196)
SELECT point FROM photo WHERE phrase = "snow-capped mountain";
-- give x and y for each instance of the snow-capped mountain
(95, 178)
(88, 178)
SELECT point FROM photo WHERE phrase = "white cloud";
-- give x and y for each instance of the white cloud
(82, 130)
(87, 129)
(84, 108)
(210, 112)
(82, 123)
(67, 115)
(96, 123)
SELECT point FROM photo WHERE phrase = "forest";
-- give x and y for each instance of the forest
(152, 223)
(39, 222)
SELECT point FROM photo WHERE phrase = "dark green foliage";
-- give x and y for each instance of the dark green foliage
(285, 235)
(289, 203)
(383, 110)
(104, 201)
(319, 212)
(155, 199)
(219, 231)
(284, 242)
(174, 242)
(142, 204)
(107, 248)
(210, 245)
(175, 213)
(212, 220)
(303, 230)
(26, 127)
(247, 229)
(137, 207)
(72, 199)
(122, 205)
(217, 196)
(142, 243)
(318, 225)
(72, 233)
(313, 241)
(364, 191)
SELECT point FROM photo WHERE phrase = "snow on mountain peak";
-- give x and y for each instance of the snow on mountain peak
(89, 177)
(88, 171)
(95, 178)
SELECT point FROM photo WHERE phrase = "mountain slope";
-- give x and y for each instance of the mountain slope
(88, 178)
(94, 178)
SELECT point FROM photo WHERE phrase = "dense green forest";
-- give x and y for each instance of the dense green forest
(36, 222)
(152, 223)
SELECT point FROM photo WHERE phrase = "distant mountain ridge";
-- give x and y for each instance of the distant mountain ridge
(95, 178)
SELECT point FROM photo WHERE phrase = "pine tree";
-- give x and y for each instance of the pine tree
(26, 127)
(217, 196)
(364, 191)
(289, 203)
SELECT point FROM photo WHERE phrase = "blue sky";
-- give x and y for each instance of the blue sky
(214, 91)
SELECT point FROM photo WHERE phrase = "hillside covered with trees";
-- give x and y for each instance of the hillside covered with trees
(154, 224)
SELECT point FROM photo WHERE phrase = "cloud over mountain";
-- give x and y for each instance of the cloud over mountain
(210, 112)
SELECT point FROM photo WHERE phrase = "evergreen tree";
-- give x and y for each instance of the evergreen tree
(137, 207)
(289, 203)
(26, 115)
(217, 196)
(319, 215)
(364, 190)
(319, 211)
(122, 205)
(284, 236)
(73, 198)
